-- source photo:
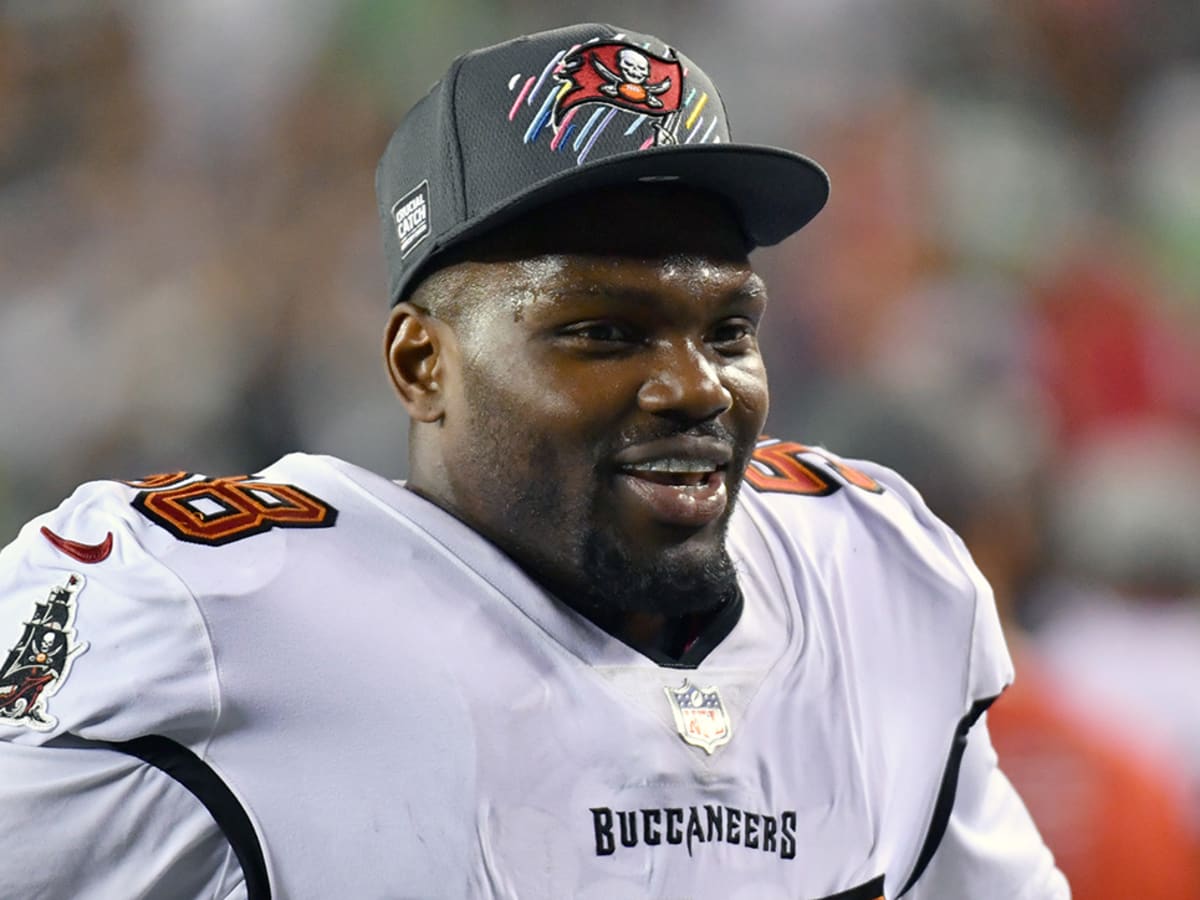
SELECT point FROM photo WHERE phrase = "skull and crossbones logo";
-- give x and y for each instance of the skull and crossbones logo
(632, 83)
(47, 643)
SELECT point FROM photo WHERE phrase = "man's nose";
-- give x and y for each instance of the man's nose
(685, 384)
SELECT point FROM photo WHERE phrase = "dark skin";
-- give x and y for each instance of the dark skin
(548, 367)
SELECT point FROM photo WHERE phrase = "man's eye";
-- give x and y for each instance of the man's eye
(601, 332)
(733, 336)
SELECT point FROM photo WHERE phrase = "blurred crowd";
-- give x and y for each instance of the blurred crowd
(1002, 301)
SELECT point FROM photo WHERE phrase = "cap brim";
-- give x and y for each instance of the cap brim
(774, 192)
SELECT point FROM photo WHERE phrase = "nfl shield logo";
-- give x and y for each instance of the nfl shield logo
(700, 716)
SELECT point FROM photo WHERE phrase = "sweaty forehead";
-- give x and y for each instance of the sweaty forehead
(554, 277)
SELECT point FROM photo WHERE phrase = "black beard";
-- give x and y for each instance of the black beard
(604, 581)
(616, 584)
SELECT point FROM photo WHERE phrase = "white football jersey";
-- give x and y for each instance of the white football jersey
(313, 683)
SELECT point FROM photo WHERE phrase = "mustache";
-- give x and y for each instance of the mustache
(644, 434)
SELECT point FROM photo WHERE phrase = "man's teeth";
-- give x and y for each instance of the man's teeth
(680, 466)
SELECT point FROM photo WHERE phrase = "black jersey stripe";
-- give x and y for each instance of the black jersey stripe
(185, 767)
(945, 799)
(872, 890)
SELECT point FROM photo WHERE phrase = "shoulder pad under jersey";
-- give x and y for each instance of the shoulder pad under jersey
(97, 636)
(841, 515)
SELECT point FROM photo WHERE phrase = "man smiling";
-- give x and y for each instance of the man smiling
(606, 641)
(589, 401)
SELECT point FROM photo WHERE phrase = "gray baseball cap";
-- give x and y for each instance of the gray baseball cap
(542, 117)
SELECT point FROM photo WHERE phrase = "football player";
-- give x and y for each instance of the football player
(607, 640)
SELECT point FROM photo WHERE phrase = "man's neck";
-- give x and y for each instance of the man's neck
(657, 635)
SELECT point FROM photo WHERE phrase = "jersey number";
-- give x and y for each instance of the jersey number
(780, 468)
(222, 510)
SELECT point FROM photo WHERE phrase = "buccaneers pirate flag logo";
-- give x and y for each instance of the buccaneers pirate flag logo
(618, 74)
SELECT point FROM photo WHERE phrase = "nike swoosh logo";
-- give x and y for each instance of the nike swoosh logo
(85, 553)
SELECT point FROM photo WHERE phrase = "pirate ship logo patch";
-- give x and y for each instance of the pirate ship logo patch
(37, 665)
(700, 716)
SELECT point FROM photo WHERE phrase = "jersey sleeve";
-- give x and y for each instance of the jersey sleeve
(91, 823)
(991, 849)
(989, 666)
(101, 642)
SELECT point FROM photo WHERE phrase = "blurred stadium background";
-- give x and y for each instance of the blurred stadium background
(1002, 300)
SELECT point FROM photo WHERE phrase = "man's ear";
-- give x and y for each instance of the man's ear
(414, 344)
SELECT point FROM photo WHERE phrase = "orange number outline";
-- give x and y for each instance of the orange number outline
(787, 473)
(245, 507)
